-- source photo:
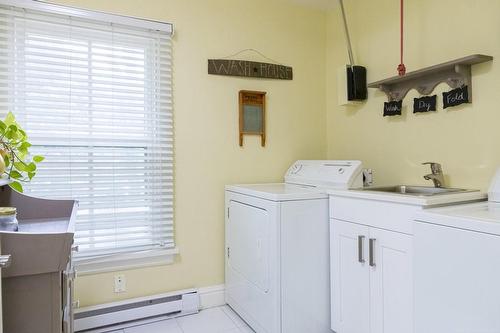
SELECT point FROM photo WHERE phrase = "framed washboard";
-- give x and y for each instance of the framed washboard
(252, 114)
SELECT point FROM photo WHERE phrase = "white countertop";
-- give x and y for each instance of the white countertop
(424, 201)
(480, 217)
(278, 191)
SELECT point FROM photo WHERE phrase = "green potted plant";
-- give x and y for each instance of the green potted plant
(16, 164)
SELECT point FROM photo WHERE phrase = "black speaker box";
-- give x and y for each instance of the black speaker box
(356, 83)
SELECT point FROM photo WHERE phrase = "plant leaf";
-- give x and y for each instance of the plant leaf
(14, 149)
(31, 167)
(21, 166)
(23, 133)
(12, 128)
(22, 154)
(38, 158)
(17, 186)
(15, 174)
(10, 119)
(24, 145)
(9, 134)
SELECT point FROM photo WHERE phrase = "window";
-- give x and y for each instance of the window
(95, 99)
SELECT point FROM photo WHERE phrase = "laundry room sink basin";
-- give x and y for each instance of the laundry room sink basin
(418, 190)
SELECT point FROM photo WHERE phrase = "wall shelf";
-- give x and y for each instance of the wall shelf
(455, 73)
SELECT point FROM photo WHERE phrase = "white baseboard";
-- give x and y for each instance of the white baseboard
(212, 296)
(136, 311)
(209, 297)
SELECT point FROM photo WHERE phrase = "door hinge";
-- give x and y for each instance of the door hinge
(228, 252)
(228, 212)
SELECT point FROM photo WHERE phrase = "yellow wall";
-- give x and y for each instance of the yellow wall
(206, 123)
(464, 139)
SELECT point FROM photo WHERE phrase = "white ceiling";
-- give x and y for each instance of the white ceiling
(323, 4)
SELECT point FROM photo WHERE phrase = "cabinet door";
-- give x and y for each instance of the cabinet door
(457, 278)
(349, 277)
(391, 282)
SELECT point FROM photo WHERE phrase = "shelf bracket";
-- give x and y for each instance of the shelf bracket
(456, 73)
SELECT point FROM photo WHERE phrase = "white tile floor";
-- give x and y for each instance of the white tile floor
(215, 320)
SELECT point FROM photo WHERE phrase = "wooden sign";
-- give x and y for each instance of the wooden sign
(393, 108)
(253, 114)
(456, 97)
(249, 69)
(424, 104)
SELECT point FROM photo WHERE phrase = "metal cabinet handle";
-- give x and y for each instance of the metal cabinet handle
(372, 252)
(5, 261)
(361, 240)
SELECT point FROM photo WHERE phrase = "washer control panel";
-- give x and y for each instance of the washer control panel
(341, 174)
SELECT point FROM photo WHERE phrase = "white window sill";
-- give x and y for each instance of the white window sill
(124, 261)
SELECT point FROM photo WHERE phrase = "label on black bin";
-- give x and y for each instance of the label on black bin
(455, 97)
(393, 108)
(424, 104)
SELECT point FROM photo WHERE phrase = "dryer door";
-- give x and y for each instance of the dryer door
(252, 260)
(249, 246)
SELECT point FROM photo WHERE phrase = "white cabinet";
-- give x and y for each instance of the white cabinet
(350, 277)
(371, 273)
(371, 253)
(457, 278)
(391, 282)
(390, 274)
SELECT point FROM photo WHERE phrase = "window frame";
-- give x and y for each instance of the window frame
(123, 260)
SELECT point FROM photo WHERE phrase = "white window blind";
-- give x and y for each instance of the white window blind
(95, 100)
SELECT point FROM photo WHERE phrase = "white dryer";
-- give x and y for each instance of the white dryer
(277, 247)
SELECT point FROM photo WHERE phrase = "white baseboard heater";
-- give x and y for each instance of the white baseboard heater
(171, 304)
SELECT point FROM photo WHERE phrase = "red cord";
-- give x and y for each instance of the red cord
(401, 67)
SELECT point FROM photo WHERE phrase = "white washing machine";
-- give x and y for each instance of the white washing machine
(277, 247)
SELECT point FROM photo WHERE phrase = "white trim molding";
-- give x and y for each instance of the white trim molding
(212, 296)
(130, 312)
(205, 297)
(90, 14)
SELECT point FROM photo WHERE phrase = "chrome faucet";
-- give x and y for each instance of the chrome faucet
(437, 174)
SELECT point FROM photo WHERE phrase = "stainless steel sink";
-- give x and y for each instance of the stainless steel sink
(418, 190)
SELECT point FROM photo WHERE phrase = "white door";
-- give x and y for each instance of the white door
(252, 263)
(248, 244)
(349, 277)
(391, 282)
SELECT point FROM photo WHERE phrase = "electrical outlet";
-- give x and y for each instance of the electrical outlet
(120, 283)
